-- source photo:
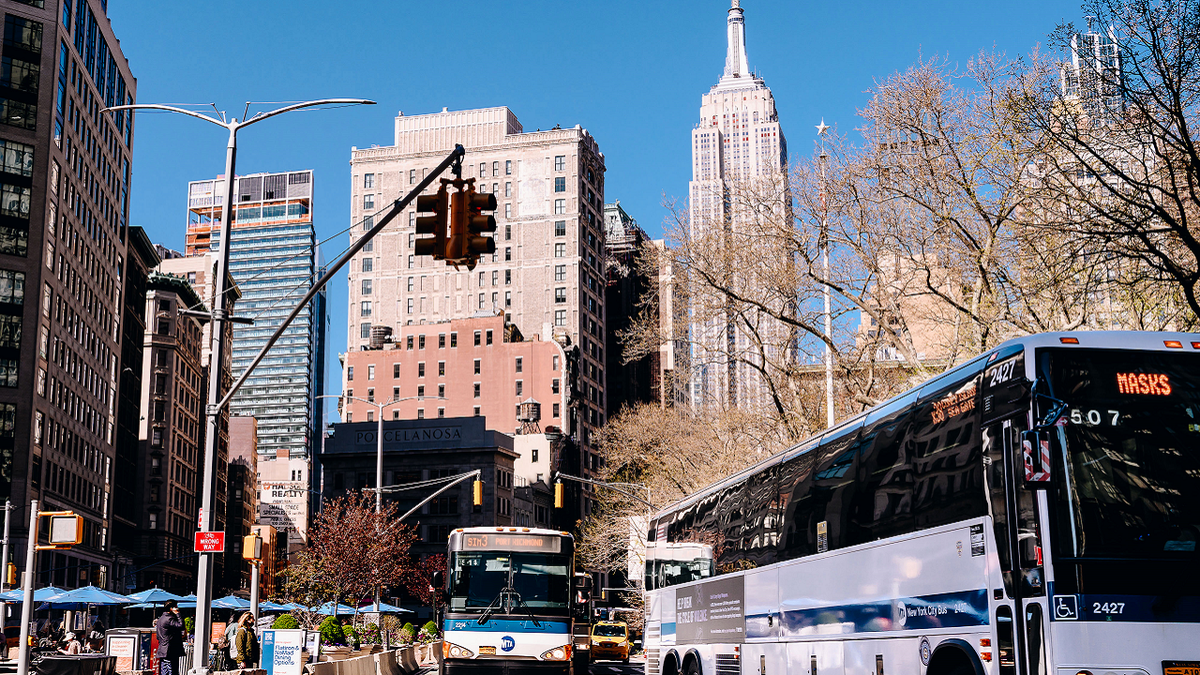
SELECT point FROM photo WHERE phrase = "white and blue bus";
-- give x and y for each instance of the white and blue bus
(1035, 511)
(511, 602)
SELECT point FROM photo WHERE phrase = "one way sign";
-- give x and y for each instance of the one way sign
(210, 542)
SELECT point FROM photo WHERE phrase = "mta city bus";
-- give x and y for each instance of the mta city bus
(1034, 511)
(511, 600)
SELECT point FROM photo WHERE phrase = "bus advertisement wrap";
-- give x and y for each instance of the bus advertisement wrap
(711, 612)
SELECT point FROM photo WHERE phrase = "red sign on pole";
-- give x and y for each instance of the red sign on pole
(210, 542)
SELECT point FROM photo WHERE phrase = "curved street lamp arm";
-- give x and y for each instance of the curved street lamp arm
(307, 104)
(168, 108)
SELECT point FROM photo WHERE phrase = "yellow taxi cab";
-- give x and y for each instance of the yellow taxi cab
(610, 640)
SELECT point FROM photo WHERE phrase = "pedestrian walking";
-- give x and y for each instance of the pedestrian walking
(247, 642)
(169, 629)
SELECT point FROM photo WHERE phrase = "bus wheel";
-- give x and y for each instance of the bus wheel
(691, 666)
(950, 659)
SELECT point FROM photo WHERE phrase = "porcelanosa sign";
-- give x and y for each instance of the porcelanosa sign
(410, 436)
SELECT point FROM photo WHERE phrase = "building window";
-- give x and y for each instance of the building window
(409, 308)
(421, 391)
(477, 335)
(477, 411)
(364, 330)
(370, 415)
(349, 418)
(560, 228)
(453, 340)
(368, 202)
(368, 265)
(534, 454)
(489, 336)
(421, 369)
(554, 386)
(554, 363)
(507, 232)
(371, 394)
(520, 386)
(420, 342)
(560, 272)
(481, 301)
(555, 408)
(495, 277)
(508, 167)
(495, 169)
(370, 372)
(409, 343)
(395, 371)
(441, 368)
(441, 340)
(365, 308)
(476, 390)
(441, 391)
(560, 162)
(369, 181)
(560, 206)
(482, 170)
(441, 413)
(560, 295)
(410, 283)
(476, 366)
(420, 413)
(366, 286)
(412, 262)
(560, 250)
(560, 184)
(508, 189)
(507, 210)
(560, 317)
(520, 363)
(412, 176)
(370, 246)
(507, 299)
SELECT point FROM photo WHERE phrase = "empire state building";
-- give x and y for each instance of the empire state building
(737, 140)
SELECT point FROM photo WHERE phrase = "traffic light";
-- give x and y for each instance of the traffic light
(10, 574)
(478, 224)
(477, 493)
(558, 495)
(438, 207)
(252, 547)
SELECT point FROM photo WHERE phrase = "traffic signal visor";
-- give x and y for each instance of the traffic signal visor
(252, 547)
(558, 495)
(434, 213)
(477, 493)
(10, 574)
(479, 224)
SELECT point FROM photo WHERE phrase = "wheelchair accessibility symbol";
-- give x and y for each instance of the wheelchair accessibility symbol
(1066, 608)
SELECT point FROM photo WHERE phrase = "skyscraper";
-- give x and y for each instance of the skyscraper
(64, 240)
(1093, 75)
(737, 141)
(547, 275)
(274, 260)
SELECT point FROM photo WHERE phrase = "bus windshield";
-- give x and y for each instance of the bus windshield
(536, 582)
(1130, 431)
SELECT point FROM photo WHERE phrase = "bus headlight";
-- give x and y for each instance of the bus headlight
(562, 653)
(453, 651)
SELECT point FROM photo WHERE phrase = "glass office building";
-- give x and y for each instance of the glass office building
(274, 260)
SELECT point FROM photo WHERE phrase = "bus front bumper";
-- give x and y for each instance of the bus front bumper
(486, 666)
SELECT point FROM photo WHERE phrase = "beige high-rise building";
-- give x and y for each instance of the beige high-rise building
(737, 142)
(547, 275)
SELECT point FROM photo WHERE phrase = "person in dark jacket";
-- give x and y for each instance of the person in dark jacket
(169, 629)
(246, 642)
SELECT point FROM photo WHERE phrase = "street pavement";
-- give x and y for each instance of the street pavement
(636, 666)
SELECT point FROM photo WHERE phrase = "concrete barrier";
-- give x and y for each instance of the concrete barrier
(385, 664)
(241, 671)
(408, 660)
(322, 668)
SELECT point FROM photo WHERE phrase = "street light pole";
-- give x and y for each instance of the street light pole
(829, 415)
(219, 348)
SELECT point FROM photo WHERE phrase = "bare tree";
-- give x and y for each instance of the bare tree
(1119, 116)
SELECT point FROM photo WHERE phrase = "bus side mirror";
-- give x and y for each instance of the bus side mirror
(1035, 454)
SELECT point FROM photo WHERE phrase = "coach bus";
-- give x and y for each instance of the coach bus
(1034, 511)
(511, 600)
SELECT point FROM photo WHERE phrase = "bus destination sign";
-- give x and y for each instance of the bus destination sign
(1148, 384)
(510, 541)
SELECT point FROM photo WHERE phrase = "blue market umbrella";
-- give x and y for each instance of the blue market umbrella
(39, 595)
(328, 609)
(268, 606)
(88, 595)
(385, 608)
(188, 601)
(153, 596)
(230, 602)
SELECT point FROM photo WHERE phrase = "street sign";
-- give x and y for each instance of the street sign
(210, 542)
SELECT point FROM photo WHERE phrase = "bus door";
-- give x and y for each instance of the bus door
(1021, 617)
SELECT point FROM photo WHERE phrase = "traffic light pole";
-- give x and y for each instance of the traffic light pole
(4, 565)
(27, 606)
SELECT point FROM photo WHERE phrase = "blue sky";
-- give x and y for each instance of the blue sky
(632, 73)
